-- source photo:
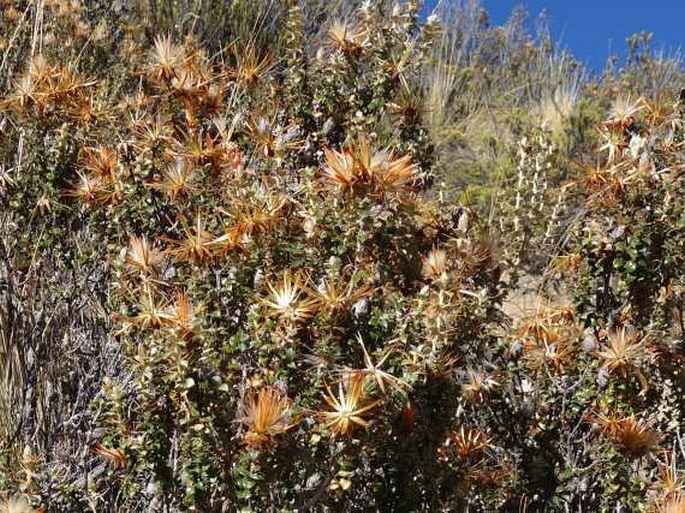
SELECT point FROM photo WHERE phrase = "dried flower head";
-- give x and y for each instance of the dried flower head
(381, 170)
(340, 170)
(435, 264)
(258, 214)
(181, 315)
(408, 107)
(553, 356)
(347, 38)
(465, 443)
(143, 258)
(101, 161)
(265, 415)
(623, 111)
(670, 482)
(231, 240)
(613, 143)
(347, 409)
(26, 94)
(92, 190)
(151, 312)
(477, 386)
(285, 299)
(196, 246)
(177, 181)
(334, 295)
(397, 175)
(151, 135)
(251, 66)
(624, 351)
(375, 373)
(360, 168)
(165, 58)
(632, 436)
(272, 139)
(539, 329)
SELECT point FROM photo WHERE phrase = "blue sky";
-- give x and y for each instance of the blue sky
(592, 29)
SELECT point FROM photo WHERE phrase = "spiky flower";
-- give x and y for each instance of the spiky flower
(361, 168)
(285, 299)
(101, 161)
(340, 171)
(374, 371)
(434, 264)
(334, 295)
(232, 239)
(408, 108)
(251, 66)
(346, 38)
(465, 443)
(196, 246)
(92, 190)
(477, 386)
(670, 482)
(539, 329)
(143, 258)
(613, 143)
(547, 354)
(632, 436)
(265, 416)
(259, 214)
(625, 350)
(177, 181)
(623, 111)
(26, 93)
(347, 409)
(151, 313)
(181, 315)
(165, 59)
(151, 135)
(272, 139)
(396, 175)
(198, 148)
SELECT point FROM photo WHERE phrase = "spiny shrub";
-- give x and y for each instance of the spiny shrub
(226, 282)
(290, 308)
(602, 376)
